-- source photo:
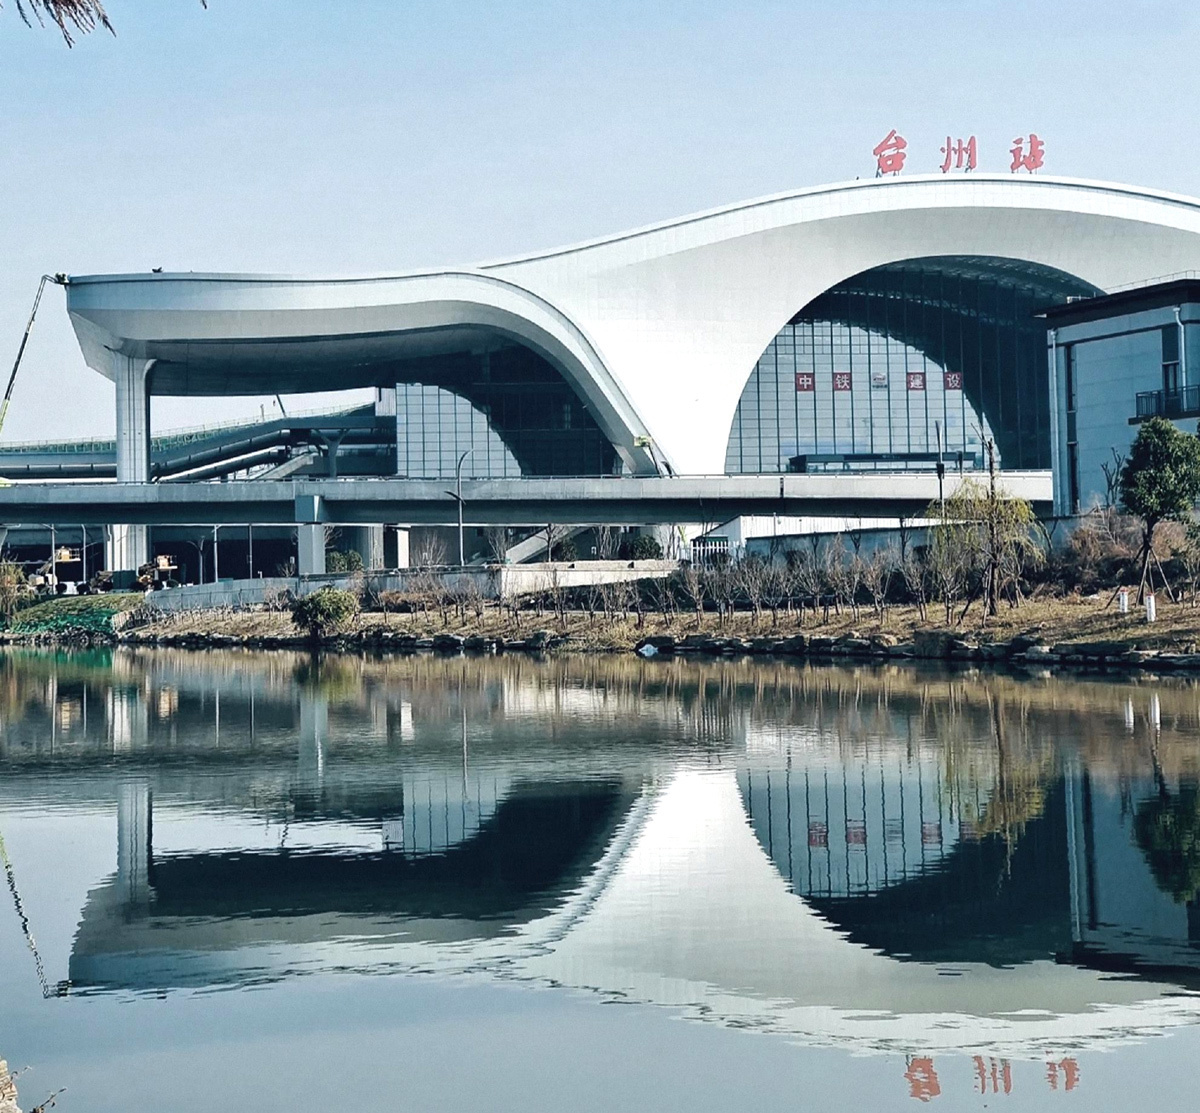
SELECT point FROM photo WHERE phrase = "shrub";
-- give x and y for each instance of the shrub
(324, 612)
(13, 589)
(348, 561)
(645, 547)
(565, 550)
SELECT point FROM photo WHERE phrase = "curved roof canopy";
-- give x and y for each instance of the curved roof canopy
(657, 329)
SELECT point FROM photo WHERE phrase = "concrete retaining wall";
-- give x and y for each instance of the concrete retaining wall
(491, 581)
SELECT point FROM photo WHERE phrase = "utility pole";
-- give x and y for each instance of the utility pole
(941, 469)
(456, 494)
(216, 571)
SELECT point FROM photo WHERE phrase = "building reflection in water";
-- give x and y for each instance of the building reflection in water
(887, 858)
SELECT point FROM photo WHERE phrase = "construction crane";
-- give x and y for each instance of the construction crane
(59, 279)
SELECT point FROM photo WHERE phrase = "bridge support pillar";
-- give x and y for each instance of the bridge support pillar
(395, 547)
(310, 549)
(129, 546)
(134, 847)
(368, 542)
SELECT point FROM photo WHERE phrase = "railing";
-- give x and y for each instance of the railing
(174, 437)
(1184, 402)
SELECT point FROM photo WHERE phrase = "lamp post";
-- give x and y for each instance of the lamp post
(457, 495)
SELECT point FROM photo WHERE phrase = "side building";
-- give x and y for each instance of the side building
(1117, 360)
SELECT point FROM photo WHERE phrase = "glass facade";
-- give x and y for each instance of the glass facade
(509, 407)
(867, 374)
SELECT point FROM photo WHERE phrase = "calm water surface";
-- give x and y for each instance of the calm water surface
(263, 881)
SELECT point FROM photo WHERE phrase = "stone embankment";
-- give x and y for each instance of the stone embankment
(929, 645)
(933, 645)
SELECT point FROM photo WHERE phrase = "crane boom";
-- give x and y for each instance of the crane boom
(12, 378)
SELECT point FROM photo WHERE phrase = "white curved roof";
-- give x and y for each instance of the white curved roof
(658, 328)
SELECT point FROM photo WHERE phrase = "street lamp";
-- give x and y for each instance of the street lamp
(456, 494)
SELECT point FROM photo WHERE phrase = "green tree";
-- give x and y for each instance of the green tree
(982, 534)
(1160, 482)
(1167, 829)
(324, 612)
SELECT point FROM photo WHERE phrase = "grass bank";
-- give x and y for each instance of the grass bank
(1074, 620)
(76, 617)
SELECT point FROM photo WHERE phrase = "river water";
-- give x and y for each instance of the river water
(267, 881)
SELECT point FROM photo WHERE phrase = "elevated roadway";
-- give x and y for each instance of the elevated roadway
(634, 501)
(222, 450)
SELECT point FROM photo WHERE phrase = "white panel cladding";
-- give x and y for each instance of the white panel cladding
(660, 328)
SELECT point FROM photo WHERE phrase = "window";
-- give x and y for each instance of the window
(1170, 360)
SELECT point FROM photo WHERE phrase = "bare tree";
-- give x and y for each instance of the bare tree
(496, 538)
(949, 560)
(807, 575)
(776, 586)
(749, 577)
(837, 572)
(877, 572)
(608, 541)
(662, 591)
(695, 587)
(913, 572)
(429, 551)
(720, 586)
(1112, 478)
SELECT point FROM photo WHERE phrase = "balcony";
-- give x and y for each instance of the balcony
(1184, 402)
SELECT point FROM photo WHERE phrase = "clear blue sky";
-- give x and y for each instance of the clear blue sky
(374, 135)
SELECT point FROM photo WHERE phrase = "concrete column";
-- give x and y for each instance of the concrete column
(129, 546)
(368, 542)
(395, 547)
(310, 549)
(134, 848)
(314, 730)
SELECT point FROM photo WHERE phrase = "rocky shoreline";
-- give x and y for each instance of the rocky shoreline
(925, 645)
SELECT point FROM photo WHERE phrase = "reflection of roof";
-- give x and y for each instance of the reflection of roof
(983, 902)
(679, 905)
(726, 940)
(540, 842)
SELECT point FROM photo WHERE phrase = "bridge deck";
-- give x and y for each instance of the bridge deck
(612, 500)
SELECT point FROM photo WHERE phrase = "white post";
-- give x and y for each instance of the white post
(1123, 600)
(1151, 607)
(310, 549)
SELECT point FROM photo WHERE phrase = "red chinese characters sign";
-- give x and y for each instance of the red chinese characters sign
(915, 380)
(959, 155)
(842, 380)
(991, 1076)
(952, 380)
(1031, 159)
(806, 382)
(891, 152)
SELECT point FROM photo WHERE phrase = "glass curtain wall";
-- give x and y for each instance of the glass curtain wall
(508, 407)
(867, 374)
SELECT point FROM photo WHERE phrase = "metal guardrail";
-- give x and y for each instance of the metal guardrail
(170, 437)
(1184, 402)
(1142, 283)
